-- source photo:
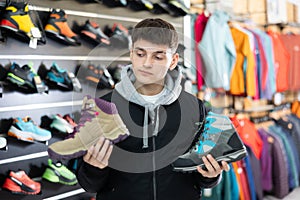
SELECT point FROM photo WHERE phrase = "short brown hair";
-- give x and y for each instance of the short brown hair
(157, 31)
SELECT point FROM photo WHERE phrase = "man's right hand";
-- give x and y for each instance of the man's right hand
(98, 154)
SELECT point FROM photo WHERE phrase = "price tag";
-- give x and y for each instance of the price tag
(35, 32)
(33, 43)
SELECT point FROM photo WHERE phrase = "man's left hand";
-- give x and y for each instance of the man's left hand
(212, 166)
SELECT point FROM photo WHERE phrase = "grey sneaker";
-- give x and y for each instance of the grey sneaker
(219, 139)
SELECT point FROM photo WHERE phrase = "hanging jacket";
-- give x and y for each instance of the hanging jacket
(140, 166)
(217, 51)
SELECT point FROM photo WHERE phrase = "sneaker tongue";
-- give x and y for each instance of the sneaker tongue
(19, 172)
(26, 67)
(61, 13)
(94, 24)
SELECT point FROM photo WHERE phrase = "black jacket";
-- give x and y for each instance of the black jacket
(158, 181)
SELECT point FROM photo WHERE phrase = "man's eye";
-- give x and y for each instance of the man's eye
(158, 58)
(140, 54)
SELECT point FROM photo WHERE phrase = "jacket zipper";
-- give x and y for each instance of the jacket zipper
(154, 175)
(153, 157)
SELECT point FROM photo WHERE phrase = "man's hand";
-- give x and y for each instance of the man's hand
(98, 154)
(212, 166)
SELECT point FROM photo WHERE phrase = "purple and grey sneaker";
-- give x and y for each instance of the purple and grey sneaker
(98, 118)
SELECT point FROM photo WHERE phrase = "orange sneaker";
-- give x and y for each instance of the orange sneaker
(58, 28)
(20, 183)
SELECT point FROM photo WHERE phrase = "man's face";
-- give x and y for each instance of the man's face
(151, 62)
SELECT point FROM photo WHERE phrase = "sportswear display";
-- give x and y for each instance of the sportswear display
(20, 183)
(98, 118)
(219, 139)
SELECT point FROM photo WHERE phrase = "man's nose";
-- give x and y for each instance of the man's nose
(148, 61)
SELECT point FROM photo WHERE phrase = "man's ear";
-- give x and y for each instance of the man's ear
(174, 61)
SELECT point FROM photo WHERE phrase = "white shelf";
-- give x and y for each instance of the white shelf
(65, 195)
(40, 106)
(79, 58)
(26, 157)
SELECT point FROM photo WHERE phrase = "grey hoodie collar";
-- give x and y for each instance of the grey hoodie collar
(126, 89)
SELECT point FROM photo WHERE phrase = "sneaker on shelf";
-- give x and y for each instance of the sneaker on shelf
(60, 124)
(70, 120)
(90, 73)
(3, 142)
(106, 80)
(92, 32)
(16, 19)
(58, 29)
(26, 78)
(98, 118)
(219, 139)
(96, 75)
(3, 73)
(179, 7)
(20, 183)
(119, 36)
(114, 3)
(59, 76)
(139, 5)
(25, 129)
(22, 76)
(59, 173)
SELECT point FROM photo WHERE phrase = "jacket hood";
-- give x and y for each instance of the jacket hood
(126, 89)
(221, 16)
(172, 84)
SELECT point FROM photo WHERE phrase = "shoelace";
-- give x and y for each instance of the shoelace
(204, 135)
(87, 113)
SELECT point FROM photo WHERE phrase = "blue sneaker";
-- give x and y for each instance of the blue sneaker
(26, 130)
(59, 76)
(219, 139)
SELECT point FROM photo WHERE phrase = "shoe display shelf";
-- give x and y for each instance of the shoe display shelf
(32, 157)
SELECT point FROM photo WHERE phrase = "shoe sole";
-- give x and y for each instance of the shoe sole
(26, 136)
(81, 151)
(232, 157)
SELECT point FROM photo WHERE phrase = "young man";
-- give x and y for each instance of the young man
(162, 121)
